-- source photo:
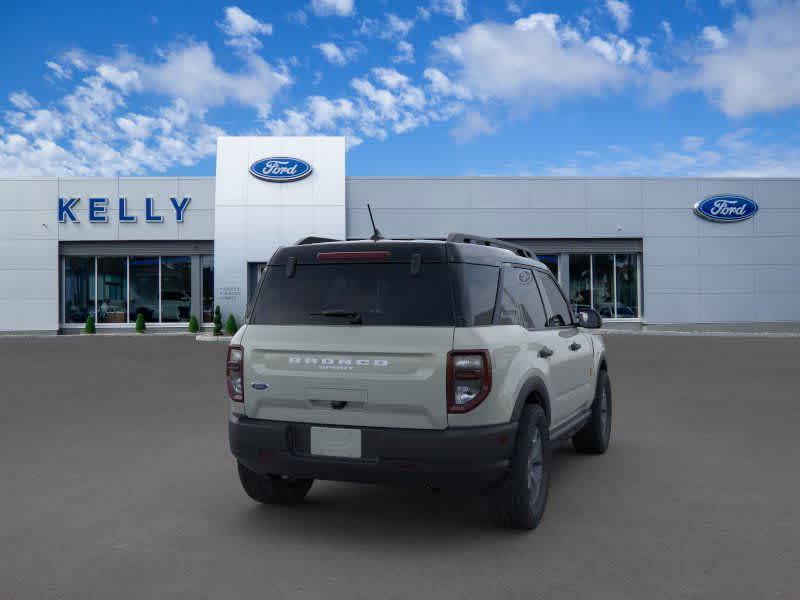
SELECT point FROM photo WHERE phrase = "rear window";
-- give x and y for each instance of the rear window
(340, 294)
(476, 291)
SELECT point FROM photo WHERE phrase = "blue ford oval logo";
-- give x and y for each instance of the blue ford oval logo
(726, 209)
(280, 169)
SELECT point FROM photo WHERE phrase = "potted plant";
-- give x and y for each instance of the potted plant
(140, 325)
(89, 327)
(217, 321)
(194, 327)
(230, 325)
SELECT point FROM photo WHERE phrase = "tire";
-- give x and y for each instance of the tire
(520, 499)
(594, 437)
(273, 489)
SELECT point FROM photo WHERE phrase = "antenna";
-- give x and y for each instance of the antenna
(377, 234)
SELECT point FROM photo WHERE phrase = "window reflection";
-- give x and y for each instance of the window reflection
(78, 288)
(176, 289)
(580, 285)
(144, 287)
(207, 266)
(603, 284)
(627, 303)
(112, 290)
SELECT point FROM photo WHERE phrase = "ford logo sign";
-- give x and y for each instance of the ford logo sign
(726, 209)
(280, 169)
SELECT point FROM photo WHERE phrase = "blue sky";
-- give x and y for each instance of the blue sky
(437, 87)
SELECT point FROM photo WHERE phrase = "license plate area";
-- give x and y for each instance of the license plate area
(335, 442)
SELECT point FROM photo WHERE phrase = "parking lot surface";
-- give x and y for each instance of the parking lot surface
(117, 483)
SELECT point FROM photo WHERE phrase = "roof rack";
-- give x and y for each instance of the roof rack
(468, 238)
(314, 239)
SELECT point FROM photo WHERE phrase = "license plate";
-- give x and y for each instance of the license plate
(334, 441)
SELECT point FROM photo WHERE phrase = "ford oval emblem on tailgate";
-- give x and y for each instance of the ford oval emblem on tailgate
(726, 209)
(280, 169)
(258, 385)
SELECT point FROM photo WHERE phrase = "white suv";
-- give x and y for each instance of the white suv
(454, 362)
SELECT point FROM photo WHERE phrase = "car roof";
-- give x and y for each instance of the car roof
(430, 251)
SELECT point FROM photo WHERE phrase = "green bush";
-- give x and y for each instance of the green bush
(217, 321)
(89, 327)
(140, 325)
(194, 327)
(230, 325)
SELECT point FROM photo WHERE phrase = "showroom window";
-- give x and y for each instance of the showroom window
(117, 289)
(112, 289)
(79, 288)
(609, 283)
(207, 272)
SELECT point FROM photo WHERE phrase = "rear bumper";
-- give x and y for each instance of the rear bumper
(469, 456)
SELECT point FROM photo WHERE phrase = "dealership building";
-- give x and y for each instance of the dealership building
(650, 251)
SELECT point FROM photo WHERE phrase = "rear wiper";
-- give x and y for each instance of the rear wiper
(355, 318)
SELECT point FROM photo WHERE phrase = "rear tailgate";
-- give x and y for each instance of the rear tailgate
(368, 376)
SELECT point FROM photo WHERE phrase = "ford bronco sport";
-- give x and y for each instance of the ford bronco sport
(454, 362)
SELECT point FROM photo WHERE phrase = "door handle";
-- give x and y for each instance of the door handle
(574, 346)
(545, 352)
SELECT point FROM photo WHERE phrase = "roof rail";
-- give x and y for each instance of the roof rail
(314, 239)
(468, 238)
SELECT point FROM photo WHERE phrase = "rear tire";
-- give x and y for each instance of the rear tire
(520, 499)
(273, 489)
(594, 437)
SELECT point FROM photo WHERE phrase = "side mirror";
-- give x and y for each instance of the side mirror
(588, 318)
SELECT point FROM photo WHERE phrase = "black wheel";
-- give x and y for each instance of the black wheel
(273, 489)
(596, 434)
(520, 499)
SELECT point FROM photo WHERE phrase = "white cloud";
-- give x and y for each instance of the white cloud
(621, 11)
(22, 100)
(243, 29)
(385, 101)
(57, 70)
(758, 70)
(398, 27)
(715, 37)
(692, 143)
(735, 154)
(441, 84)
(405, 53)
(536, 60)
(336, 55)
(453, 8)
(339, 8)
(191, 72)
(514, 8)
(91, 130)
(472, 124)
(666, 27)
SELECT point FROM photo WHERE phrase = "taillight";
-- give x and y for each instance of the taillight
(234, 373)
(469, 379)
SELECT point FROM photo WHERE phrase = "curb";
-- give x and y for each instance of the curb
(213, 338)
(729, 334)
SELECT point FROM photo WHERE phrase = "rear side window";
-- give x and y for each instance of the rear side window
(476, 291)
(378, 293)
(559, 309)
(520, 302)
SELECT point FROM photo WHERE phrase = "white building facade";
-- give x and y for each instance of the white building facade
(169, 248)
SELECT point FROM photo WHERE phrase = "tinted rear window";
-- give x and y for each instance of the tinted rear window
(380, 293)
(476, 290)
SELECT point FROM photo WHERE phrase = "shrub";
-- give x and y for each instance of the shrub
(140, 325)
(217, 321)
(230, 325)
(89, 327)
(194, 327)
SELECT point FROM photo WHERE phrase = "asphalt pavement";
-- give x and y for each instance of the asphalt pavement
(116, 482)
